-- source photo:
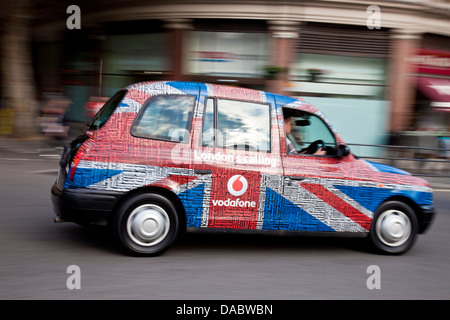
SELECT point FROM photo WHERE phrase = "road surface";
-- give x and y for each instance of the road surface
(38, 256)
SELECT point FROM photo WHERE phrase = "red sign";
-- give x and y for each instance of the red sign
(431, 61)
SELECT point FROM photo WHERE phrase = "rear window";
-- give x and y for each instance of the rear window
(165, 118)
(106, 111)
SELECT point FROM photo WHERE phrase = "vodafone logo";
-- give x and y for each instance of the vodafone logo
(237, 185)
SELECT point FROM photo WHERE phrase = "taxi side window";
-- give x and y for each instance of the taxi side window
(166, 117)
(306, 133)
(239, 125)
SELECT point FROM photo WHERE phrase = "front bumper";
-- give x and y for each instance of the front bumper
(426, 218)
(84, 206)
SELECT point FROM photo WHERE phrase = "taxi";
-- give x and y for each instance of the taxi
(160, 158)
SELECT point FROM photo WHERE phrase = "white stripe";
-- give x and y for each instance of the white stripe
(294, 104)
(206, 199)
(158, 88)
(371, 166)
(263, 96)
(321, 210)
(209, 89)
(133, 106)
(132, 177)
(350, 201)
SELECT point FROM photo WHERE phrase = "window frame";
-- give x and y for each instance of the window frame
(333, 134)
(91, 125)
(148, 102)
(205, 105)
(216, 123)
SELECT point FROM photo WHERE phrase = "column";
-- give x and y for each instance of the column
(282, 46)
(177, 29)
(402, 88)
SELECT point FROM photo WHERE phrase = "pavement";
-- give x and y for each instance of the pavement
(41, 144)
(42, 147)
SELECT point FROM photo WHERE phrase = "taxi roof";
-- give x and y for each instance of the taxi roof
(222, 91)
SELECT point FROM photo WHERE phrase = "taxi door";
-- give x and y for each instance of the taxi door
(310, 198)
(235, 154)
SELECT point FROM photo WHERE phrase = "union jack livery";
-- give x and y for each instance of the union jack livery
(160, 157)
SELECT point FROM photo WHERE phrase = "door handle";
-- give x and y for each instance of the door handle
(296, 178)
(199, 171)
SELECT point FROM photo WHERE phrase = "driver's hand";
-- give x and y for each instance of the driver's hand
(320, 152)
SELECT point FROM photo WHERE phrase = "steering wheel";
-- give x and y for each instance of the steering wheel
(313, 147)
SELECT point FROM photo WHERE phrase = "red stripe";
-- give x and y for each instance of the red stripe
(333, 200)
(173, 181)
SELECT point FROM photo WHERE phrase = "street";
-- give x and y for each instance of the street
(36, 254)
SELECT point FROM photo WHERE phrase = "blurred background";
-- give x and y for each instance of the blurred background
(379, 70)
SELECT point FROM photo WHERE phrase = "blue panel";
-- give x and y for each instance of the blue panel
(192, 200)
(281, 214)
(283, 100)
(123, 105)
(371, 198)
(389, 169)
(85, 177)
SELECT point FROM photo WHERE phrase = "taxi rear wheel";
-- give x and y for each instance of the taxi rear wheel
(146, 224)
(394, 228)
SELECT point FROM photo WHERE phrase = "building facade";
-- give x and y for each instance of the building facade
(373, 68)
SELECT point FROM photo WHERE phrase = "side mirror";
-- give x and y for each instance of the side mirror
(302, 123)
(343, 151)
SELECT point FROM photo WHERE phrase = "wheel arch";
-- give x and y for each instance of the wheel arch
(169, 194)
(408, 201)
(383, 237)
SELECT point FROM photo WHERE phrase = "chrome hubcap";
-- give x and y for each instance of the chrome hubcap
(148, 225)
(393, 228)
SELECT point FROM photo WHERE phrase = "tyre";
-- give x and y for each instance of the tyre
(146, 224)
(394, 228)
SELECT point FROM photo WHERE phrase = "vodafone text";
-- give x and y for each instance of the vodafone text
(234, 203)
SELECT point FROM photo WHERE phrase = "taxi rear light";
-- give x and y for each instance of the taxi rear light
(75, 162)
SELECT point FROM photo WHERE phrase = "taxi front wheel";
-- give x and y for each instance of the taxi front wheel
(394, 228)
(146, 224)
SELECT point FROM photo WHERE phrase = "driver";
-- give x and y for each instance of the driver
(290, 148)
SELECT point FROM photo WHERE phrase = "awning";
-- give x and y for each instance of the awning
(437, 90)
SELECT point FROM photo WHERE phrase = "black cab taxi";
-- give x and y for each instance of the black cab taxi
(160, 157)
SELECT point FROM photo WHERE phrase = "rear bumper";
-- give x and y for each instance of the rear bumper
(84, 206)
